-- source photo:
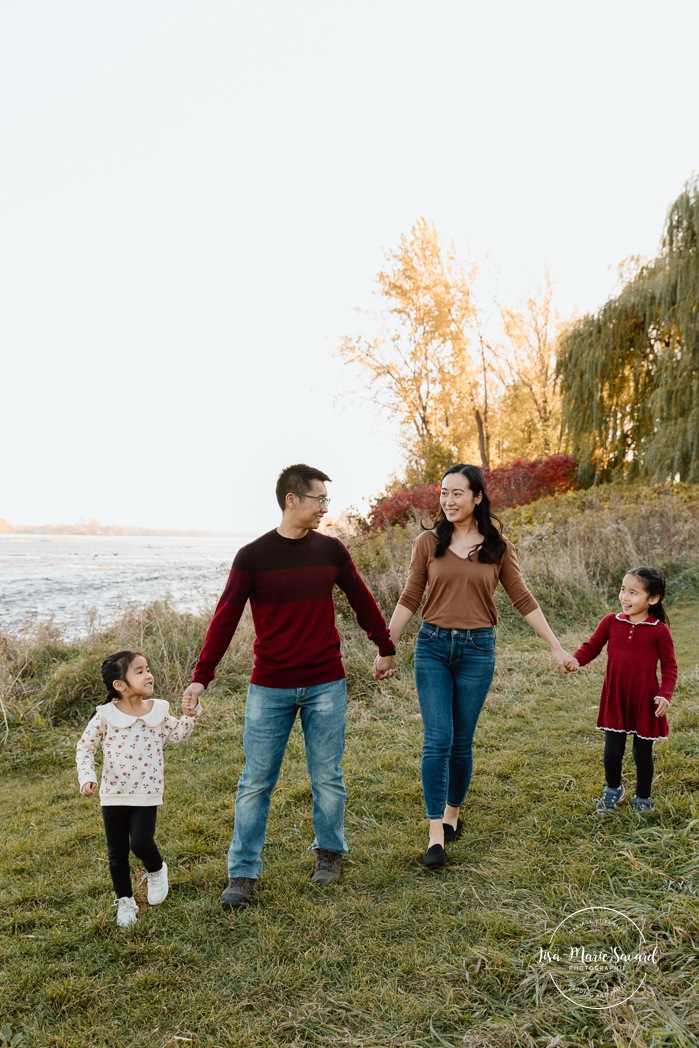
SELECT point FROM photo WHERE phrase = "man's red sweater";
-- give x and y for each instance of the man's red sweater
(289, 583)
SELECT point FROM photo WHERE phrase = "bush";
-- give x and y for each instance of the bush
(589, 539)
(411, 504)
(44, 680)
(522, 482)
(382, 559)
(515, 485)
(73, 689)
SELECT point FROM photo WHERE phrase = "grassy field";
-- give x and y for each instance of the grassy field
(395, 955)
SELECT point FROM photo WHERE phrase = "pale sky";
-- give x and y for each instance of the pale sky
(196, 195)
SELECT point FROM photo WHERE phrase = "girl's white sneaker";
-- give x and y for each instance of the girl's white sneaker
(158, 886)
(127, 911)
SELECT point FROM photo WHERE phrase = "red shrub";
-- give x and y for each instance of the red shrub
(414, 502)
(514, 485)
(522, 482)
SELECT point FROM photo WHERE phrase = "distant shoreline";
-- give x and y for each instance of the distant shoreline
(95, 529)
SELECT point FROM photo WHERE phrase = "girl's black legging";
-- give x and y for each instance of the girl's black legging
(128, 828)
(614, 746)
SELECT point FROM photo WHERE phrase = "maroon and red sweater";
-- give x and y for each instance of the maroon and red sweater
(289, 583)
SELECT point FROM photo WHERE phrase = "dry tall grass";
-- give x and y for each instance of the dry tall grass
(573, 549)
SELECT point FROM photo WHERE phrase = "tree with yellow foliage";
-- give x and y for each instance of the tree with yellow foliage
(457, 396)
(529, 408)
(417, 364)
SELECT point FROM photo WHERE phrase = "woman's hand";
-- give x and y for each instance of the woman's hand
(87, 788)
(384, 667)
(564, 660)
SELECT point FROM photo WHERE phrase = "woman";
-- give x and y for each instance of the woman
(461, 562)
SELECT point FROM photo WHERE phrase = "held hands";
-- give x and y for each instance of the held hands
(384, 667)
(87, 788)
(565, 661)
(661, 706)
(190, 699)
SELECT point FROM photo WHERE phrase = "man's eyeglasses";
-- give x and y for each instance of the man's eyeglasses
(322, 500)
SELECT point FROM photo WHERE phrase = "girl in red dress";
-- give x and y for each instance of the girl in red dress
(632, 701)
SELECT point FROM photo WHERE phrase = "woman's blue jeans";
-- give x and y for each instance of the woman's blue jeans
(269, 717)
(453, 672)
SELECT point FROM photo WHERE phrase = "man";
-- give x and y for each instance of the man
(288, 576)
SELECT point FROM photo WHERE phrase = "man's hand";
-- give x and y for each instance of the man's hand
(190, 699)
(87, 788)
(384, 667)
(661, 706)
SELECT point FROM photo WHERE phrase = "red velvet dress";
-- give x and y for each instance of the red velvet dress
(631, 682)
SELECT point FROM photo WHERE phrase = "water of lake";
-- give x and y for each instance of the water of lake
(67, 578)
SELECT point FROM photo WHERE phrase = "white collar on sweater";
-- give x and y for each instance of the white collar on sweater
(650, 621)
(116, 717)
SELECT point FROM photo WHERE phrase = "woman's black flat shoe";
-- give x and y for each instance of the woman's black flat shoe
(434, 856)
(452, 834)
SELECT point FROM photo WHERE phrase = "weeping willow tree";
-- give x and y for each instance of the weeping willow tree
(629, 375)
(607, 365)
(674, 447)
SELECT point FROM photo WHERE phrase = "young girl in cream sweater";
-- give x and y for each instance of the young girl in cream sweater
(132, 728)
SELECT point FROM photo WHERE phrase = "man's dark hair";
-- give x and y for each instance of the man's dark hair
(297, 479)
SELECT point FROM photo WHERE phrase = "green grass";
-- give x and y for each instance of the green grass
(394, 955)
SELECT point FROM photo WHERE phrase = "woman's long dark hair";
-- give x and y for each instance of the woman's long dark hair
(492, 548)
(653, 582)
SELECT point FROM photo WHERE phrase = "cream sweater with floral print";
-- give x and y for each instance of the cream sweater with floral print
(132, 771)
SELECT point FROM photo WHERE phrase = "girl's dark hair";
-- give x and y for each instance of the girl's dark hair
(654, 585)
(115, 667)
(492, 547)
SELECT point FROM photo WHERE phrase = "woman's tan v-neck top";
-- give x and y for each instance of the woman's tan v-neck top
(460, 589)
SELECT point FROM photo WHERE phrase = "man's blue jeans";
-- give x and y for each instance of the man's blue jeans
(453, 672)
(269, 717)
